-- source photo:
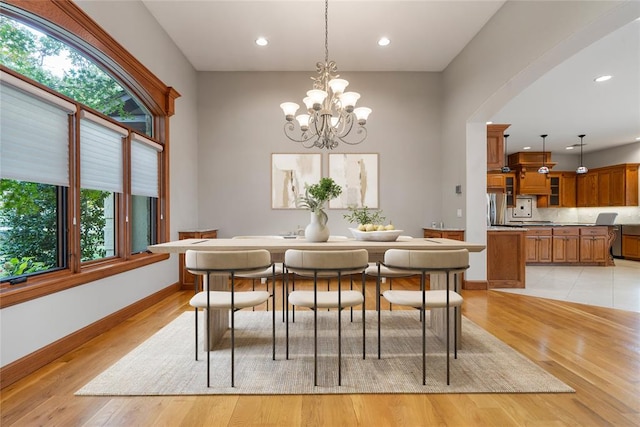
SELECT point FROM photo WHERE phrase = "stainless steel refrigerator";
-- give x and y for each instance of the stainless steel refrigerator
(496, 208)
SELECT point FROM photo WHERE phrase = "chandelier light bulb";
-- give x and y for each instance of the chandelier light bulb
(289, 109)
(338, 85)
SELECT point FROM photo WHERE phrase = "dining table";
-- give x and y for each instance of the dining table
(219, 319)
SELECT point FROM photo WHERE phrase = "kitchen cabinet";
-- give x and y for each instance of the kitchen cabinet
(566, 245)
(503, 183)
(506, 259)
(538, 245)
(495, 146)
(609, 186)
(562, 187)
(443, 233)
(187, 279)
(631, 247)
(594, 247)
(587, 189)
(533, 183)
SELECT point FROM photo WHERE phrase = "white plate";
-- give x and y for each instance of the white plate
(376, 236)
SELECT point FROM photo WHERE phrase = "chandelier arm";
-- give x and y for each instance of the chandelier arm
(305, 137)
(360, 130)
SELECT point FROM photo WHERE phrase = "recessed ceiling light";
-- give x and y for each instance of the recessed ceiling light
(489, 123)
(602, 79)
(571, 147)
(384, 41)
(261, 41)
(638, 138)
(526, 148)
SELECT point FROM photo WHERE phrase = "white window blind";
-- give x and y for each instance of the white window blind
(144, 166)
(34, 130)
(101, 161)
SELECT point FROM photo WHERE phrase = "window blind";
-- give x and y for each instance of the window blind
(101, 161)
(34, 130)
(144, 166)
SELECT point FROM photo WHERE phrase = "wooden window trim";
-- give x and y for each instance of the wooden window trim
(159, 99)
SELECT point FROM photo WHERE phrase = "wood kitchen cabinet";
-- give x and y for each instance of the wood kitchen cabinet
(587, 189)
(562, 187)
(631, 247)
(609, 186)
(506, 259)
(594, 245)
(495, 146)
(442, 233)
(187, 279)
(566, 245)
(538, 244)
(498, 182)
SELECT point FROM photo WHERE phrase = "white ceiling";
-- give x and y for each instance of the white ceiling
(219, 35)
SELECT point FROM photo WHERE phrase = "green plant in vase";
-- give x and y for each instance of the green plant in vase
(315, 198)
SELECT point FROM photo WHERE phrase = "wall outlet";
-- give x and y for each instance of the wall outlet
(459, 213)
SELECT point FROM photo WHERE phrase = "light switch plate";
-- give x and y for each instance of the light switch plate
(522, 208)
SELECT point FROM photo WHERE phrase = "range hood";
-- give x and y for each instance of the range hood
(528, 180)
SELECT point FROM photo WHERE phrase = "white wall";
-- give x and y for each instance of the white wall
(521, 42)
(34, 324)
(241, 125)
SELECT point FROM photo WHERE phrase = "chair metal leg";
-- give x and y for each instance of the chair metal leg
(196, 328)
(315, 329)
(424, 332)
(448, 325)
(273, 313)
(285, 302)
(378, 307)
(208, 332)
(364, 328)
(339, 330)
(233, 336)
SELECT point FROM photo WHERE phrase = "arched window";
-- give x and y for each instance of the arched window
(84, 131)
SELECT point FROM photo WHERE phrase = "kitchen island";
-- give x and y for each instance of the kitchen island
(567, 244)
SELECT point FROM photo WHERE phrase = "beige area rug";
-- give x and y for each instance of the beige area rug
(164, 364)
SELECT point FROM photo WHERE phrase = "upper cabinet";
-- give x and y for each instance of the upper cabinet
(609, 186)
(562, 191)
(525, 165)
(495, 146)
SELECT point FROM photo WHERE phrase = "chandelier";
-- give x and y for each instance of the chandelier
(331, 114)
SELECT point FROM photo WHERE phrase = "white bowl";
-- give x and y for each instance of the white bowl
(376, 236)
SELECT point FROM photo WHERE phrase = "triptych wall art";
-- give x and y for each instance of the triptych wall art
(356, 173)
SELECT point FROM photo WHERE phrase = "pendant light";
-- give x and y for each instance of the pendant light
(581, 168)
(505, 168)
(543, 168)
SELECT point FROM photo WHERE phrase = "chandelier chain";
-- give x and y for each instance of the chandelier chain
(326, 31)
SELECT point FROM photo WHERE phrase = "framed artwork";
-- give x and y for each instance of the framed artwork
(289, 174)
(357, 174)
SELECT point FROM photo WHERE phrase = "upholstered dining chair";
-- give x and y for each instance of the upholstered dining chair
(386, 274)
(263, 275)
(447, 262)
(228, 263)
(320, 265)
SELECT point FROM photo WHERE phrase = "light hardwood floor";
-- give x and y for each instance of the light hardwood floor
(595, 350)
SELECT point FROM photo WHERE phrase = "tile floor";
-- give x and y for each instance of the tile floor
(613, 287)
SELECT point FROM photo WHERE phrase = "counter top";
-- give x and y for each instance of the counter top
(550, 224)
(443, 229)
(504, 228)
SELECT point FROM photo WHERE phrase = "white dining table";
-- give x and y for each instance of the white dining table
(277, 247)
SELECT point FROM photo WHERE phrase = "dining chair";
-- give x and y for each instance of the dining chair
(426, 262)
(319, 265)
(265, 275)
(386, 274)
(228, 263)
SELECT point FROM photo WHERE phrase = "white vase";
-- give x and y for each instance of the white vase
(317, 230)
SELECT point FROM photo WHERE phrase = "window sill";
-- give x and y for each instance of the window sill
(39, 286)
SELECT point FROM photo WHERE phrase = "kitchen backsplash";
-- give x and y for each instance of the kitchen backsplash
(626, 214)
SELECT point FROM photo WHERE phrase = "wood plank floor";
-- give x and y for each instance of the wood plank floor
(594, 350)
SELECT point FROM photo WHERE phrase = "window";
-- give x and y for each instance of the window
(80, 186)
